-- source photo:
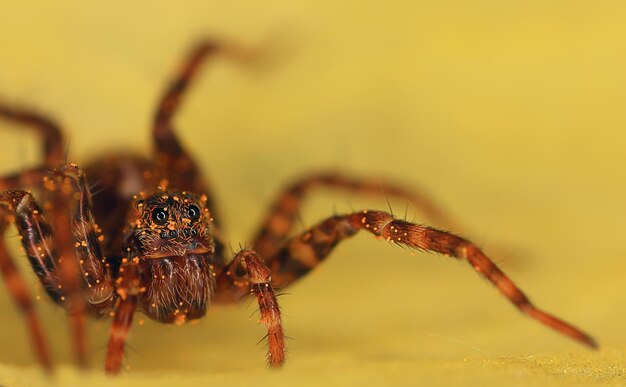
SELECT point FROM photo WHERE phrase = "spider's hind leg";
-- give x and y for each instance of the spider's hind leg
(52, 146)
(49, 131)
(32, 177)
(175, 166)
(279, 222)
(303, 253)
(174, 163)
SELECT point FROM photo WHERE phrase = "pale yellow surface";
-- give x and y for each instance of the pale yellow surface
(510, 113)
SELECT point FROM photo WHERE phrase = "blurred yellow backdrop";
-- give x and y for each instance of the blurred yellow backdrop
(511, 114)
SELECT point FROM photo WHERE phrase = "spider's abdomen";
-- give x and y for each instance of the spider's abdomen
(178, 288)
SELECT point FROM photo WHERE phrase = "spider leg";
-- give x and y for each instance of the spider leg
(247, 274)
(84, 272)
(62, 258)
(127, 289)
(18, 206)
(175, 165)
(27, 178)
(52, 146)
(278, 224)
(302, 253)
(83, 237)
(49, 130)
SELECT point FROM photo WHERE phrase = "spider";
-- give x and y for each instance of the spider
(157, 249)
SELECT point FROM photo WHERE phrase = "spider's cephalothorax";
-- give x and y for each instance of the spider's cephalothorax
(170, 235)
(169, 224)
(165, 257)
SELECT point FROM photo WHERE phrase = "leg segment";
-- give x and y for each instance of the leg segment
(70, 191)
(247, 274)
(61, 259)
(12, 206)
(128, 288)
(84, 272)
(48, 129)
(28, 178)
(279, 222)
(175, 166)
(303, 253)
(53, 151)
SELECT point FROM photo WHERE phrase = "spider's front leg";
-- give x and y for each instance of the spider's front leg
(83, 270)
(302, 253)
(247, 274)
(60, 258)
(18, 206)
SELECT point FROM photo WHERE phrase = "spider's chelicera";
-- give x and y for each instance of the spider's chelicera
(156, 247)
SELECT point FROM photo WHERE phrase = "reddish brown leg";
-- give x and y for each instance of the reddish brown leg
(52, 139)
(84, 273)
(54, 257)
(176, 168)
(280, 221)
(247, 274)
(128, 288)
(303, 253)
(13, 207)
(63, 200)
(52, 147)
(28, 178)
(83, 238)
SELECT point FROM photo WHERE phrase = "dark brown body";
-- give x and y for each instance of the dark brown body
(117, 179)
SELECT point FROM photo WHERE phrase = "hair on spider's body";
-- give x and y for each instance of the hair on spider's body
(157, 248)
(170, 237)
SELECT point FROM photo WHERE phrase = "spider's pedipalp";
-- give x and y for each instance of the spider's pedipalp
(128, 290)
(247, 274)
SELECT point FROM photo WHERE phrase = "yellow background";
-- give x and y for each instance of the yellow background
(511, 114)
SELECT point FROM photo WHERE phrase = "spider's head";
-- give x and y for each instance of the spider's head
(171, 223)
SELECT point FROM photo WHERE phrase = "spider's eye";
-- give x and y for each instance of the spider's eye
(193, 212)
(159, 215)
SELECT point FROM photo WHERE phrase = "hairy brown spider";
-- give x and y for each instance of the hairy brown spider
(169, 262)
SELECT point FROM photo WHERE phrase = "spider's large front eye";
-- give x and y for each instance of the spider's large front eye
(159, 215)
(193, 212)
